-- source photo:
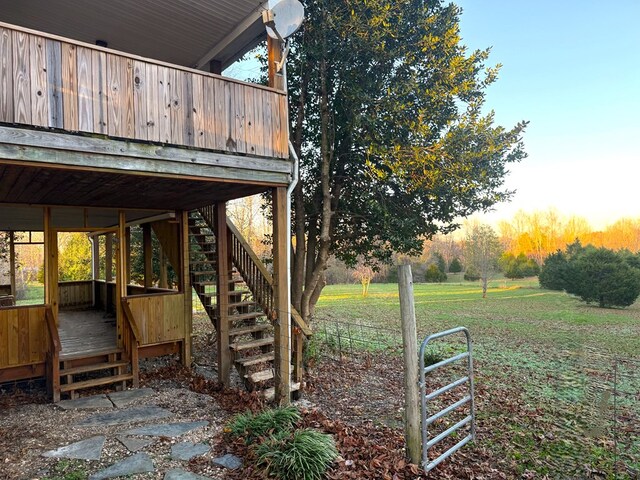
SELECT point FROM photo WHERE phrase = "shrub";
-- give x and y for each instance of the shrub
(518, 267)
(434, 274)
(455, 266)
(554, 271)
(301, 455)
(602, 276)
(252, 426)
(471, 274)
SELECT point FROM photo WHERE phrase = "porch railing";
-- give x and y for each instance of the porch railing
(49, 81)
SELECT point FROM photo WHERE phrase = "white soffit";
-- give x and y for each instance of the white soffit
(182, 32)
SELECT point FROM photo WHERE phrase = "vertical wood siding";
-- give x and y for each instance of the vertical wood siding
(23, 336)
(159, 318)
(51, 83)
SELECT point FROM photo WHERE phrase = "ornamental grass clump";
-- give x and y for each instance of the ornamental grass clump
(252, 427)
(301, 455)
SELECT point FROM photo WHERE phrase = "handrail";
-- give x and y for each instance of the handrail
(259, 277)
(128, 315)
(53, 330)
(247, 248)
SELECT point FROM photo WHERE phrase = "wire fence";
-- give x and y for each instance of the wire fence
(593, 399)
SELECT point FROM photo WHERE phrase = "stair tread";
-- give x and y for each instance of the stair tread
(206, 282)
(261, 376)
(246, 303)
(202, 262)
(261, 342)
(95, 382)
(93, 367)
(270, 393)
(261, 327)
(203, 272)
(256, 359)
(246, 316)
(94, 353)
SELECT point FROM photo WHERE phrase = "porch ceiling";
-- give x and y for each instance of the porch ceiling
(176, 31)
(28, 218)
(51, 186)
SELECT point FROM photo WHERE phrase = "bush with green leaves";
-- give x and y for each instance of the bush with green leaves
(602, 276)
(434, 274)
(455, 266)
(252, 426)
(554, 271)
(518, 266)
(471, 274)
(596, 275)
(299, 455)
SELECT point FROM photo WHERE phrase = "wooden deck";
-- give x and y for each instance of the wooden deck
(87, 332)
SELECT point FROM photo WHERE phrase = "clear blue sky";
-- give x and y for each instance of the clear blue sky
(572, 68)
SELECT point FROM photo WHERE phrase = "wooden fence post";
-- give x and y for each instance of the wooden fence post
(410, 350)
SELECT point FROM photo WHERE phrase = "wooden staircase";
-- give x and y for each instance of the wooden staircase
(109, 367)
(249, 302)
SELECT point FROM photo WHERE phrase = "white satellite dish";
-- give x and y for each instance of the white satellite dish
(284, 19)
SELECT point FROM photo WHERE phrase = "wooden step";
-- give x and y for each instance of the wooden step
(207, 282)
(96, 382)
(239, 292)
(64, 357)
(261, 342)
(270, 393)
(246, 303)
(245, 316)
(203, 272)
(261, 327)
(92, 368)
(261, 376)
(255, 359)
(203, 262)
(202, 252)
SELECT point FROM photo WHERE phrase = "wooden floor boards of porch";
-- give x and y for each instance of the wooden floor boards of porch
(87, 332)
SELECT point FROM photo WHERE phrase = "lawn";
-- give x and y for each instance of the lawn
(551, 357)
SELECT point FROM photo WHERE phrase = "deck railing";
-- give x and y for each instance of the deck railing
(54, 82)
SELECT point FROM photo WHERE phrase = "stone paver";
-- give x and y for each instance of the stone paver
(167, 429)
(126, 397)
(179, 474)
(129, 415)
(187, 450)
(95, 401)
(229, 461)
(138, 463)
(134, 444)
(89, 449)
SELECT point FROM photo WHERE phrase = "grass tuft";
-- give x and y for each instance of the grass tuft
(301, 455)
(252, 426)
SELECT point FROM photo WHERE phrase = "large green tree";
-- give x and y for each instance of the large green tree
(386, 117)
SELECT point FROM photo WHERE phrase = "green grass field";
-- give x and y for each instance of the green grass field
(550, 355)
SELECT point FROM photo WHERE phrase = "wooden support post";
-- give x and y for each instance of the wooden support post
(185, 284)
(283, 322)
(147, 249)
(95, 267)
(108, 257)
(222, 294)
(274, 49)
(50, 265)
(121, 275)
(12, 263)
(163, 281)
(410, 349)
(127, 237)
(108, 273)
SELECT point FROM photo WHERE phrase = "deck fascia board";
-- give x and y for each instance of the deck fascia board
(62, 150)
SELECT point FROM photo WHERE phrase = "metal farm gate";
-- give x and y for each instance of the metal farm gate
(429, 417)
